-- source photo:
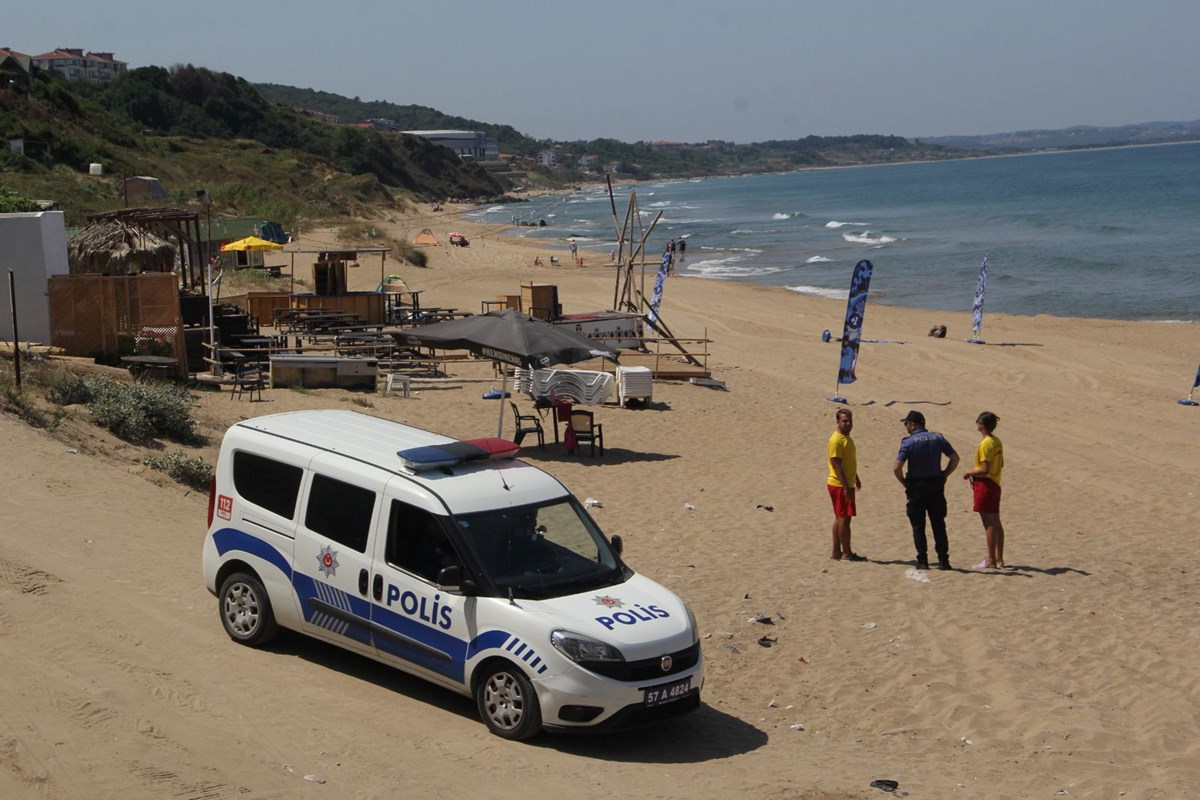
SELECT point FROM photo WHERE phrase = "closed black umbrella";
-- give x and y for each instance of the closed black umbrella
(511, 337)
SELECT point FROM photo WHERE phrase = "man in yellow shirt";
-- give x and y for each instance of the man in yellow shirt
(842, 484)
(985, 481)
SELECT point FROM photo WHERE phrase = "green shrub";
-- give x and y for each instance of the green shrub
(193, 472)
(142, 410)
(68, 389)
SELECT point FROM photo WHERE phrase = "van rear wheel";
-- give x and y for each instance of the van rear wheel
(508, 703)
(246, 610)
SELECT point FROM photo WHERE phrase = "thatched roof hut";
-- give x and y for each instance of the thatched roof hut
(114, 248)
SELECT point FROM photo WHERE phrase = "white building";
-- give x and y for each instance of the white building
(35, 246)
(468, 144)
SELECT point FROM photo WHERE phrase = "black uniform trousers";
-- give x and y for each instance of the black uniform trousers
(927, 496)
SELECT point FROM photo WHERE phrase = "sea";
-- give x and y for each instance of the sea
(1108, 233)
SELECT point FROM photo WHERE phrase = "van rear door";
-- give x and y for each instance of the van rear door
(332, 557)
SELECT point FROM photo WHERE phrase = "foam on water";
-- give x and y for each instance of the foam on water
(732, 267)
(819, 291)
(836, 224)
(818, 260)
(865, 238)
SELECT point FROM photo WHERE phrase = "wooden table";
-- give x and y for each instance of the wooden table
(145, 367)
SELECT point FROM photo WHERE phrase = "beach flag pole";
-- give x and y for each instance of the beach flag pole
(856, 306)
(1188, 401)
(977, 309)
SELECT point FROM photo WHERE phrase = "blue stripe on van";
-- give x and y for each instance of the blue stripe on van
(395, 634)
(228, 539)
(333, 609)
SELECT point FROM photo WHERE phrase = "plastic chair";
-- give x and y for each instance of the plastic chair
(587, 430)
(249, 378)
(528, 423)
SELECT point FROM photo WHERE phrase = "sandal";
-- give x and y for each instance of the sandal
(854, 557)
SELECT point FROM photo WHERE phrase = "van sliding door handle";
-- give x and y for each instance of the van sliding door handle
(378, 587)
(362, 582)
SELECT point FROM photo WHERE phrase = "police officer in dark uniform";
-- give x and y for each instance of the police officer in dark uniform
(925, 485)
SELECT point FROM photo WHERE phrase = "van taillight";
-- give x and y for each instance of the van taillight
(212, 498)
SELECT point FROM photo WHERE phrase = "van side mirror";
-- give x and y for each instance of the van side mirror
(618, 543)
(450, 579)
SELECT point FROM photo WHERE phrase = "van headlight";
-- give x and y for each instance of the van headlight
(580, 648)
(692, 621)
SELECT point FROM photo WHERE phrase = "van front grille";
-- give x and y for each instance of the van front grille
(647, 669)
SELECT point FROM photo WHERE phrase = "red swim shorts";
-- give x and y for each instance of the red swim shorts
(987, 495)
(842, 505)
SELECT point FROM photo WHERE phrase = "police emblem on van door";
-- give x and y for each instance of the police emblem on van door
(327, 560)
(609, 602)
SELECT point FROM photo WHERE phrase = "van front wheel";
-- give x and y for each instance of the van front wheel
(508, 703)
(246, 610)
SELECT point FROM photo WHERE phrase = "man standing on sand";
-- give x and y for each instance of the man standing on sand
(842, 484)
(985, 482)
(925, 486)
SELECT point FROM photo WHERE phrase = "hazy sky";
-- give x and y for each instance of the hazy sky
(633, 70)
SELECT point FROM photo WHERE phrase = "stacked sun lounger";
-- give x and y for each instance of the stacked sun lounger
(584, 387)
(634, 383)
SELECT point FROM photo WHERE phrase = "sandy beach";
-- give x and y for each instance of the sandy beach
(1070, 674)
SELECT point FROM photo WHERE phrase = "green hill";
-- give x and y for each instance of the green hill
(193, 128)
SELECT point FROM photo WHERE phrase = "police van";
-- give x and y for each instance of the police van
(482, 574)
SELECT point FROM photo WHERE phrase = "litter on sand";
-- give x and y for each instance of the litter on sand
(913, 574)
(767, 641)
(885, 785)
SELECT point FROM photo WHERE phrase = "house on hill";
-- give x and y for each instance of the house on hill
(74, 65)
(16, 70)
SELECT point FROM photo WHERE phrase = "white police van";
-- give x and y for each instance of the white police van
(481, 574)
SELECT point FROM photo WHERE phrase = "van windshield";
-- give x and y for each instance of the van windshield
(541, 551)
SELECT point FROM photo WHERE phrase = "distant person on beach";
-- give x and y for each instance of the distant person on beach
(682, 248)
(842, 484)
(925, 486)
(985, 481)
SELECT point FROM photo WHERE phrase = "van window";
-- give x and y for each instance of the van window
(417, 542)
(540, 551)
(267, 483)
(340, 511)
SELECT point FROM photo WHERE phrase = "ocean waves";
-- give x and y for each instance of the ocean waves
(1119, 247)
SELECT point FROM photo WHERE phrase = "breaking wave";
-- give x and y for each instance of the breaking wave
(865, 238)
(819, 291)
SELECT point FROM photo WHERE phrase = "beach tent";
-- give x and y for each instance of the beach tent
(272, 232)
(425, 237)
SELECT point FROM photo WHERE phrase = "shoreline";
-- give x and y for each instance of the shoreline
(505, 233)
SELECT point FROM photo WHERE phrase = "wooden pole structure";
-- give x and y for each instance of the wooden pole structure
(12, 304)
(632, 298)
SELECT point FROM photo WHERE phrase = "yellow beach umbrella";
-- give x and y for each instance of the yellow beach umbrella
(250, 243)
